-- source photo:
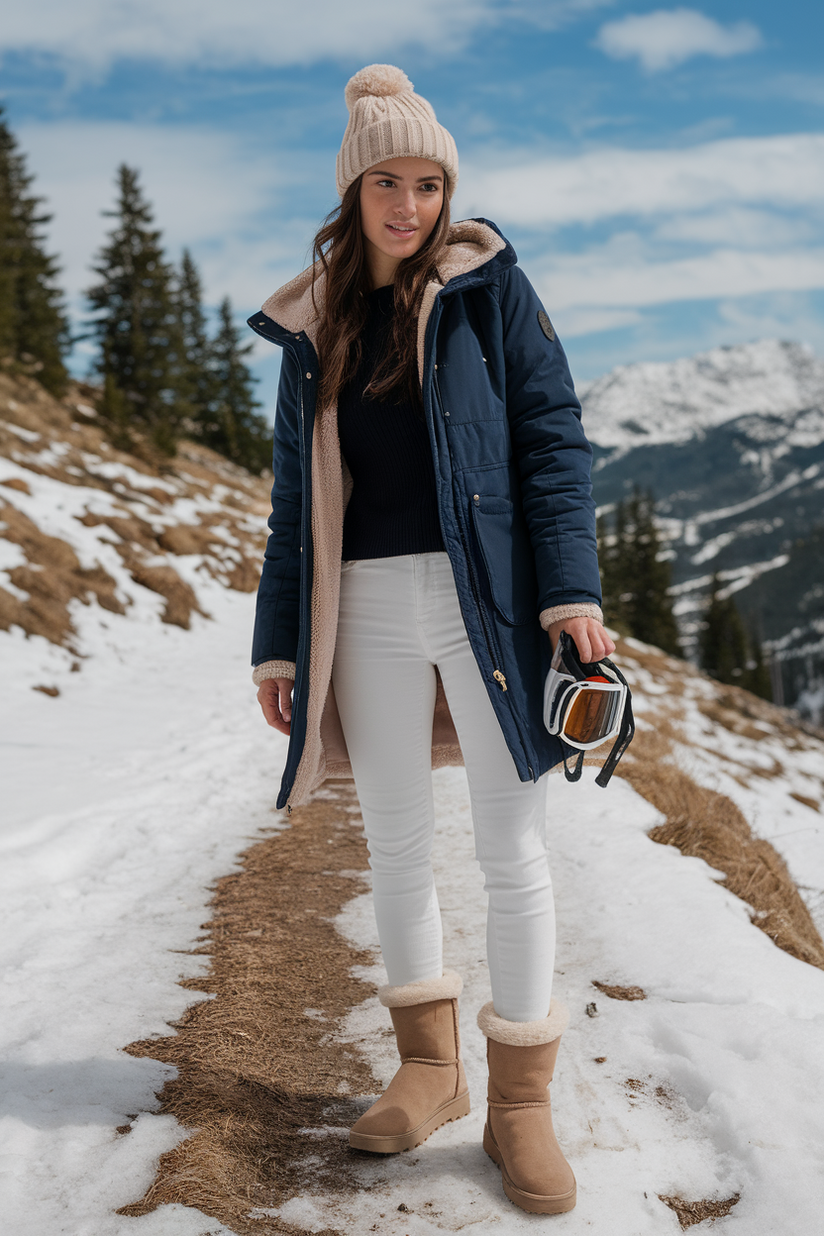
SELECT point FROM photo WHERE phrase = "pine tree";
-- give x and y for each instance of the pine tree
(757, 677)
(196, 385)
(136, 326)
(636, 576)
(723, 651)
(229, 423)
(34, 331)
(612, 561)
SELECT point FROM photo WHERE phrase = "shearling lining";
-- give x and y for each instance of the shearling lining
(560, 613)
(273, 669)
(524, 1033)
(448, 987)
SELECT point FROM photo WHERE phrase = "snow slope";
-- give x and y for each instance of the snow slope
(725, 1057)
(123, 799)
(131, 790)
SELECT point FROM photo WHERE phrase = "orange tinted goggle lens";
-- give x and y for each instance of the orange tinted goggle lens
(591, 715)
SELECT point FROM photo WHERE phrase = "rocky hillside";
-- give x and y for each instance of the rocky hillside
(731, 443)
(92, 537)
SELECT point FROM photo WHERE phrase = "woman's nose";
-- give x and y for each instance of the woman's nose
(405, 206)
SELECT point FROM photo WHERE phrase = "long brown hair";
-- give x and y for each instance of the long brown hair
(340, 251)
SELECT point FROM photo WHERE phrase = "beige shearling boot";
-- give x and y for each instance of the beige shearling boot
(518, 1134)
(429, 1088)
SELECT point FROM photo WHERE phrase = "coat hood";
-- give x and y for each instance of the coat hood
(475, 252)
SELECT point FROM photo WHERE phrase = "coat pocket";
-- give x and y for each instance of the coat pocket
(506, 551)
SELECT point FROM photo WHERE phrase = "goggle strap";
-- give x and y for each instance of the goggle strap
(575, 774)
(625, 737)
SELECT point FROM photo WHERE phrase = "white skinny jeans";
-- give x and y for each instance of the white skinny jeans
(399, 618)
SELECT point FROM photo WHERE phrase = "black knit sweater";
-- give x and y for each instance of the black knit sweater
(393, 509)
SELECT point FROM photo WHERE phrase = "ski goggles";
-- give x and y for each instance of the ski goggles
(587, 705)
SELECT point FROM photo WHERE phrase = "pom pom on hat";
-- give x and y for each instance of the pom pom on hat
(387, 120)
(378, 80)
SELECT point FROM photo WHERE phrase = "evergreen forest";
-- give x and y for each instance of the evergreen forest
(636, 582)
(165, 365)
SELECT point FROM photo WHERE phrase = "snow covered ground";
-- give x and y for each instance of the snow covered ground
(712, 1086)
(127, 794)
(123, 799)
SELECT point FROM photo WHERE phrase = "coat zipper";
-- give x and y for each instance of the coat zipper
(302, 534)
(497, 674)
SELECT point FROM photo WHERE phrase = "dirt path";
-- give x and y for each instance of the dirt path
(259, 1064)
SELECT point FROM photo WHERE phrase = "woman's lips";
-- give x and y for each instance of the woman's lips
(401, 229)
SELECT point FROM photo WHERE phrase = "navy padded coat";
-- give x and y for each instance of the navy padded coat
(512, 467)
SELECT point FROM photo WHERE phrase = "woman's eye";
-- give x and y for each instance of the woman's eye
(390, 184)
(431, 188)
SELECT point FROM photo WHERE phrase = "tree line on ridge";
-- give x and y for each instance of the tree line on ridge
(636, 580)
(162, 372)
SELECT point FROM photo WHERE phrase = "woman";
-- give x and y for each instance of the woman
(432, 533)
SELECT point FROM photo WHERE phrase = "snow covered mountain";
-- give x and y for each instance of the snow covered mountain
(731, 443)
(664, 402)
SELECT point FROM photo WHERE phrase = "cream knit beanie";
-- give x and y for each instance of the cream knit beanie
(387, 120)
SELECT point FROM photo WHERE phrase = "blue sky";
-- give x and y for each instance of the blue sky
(660, 171)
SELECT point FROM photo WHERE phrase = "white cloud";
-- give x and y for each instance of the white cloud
(272, 32)
(575, 320)
(784, 171)
(667, 37)
(550, 14)
(719, 220)
(781, 315)
(93, 34)
(220, 196)
(599, 278)
(741, 226)
(706, 223)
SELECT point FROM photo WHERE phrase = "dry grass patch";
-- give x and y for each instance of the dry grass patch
(16, 482)
(690, 1213)
(63, 440)
(708, 825)
(51, 577)
(620, 993)
(666, 670)
(730, 718)
(181, 600)
(812, 803)
(263, 1086)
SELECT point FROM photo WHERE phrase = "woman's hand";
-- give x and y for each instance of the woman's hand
(591, 638)
(275, 698)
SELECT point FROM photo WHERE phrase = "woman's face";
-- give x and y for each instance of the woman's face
(400, 201)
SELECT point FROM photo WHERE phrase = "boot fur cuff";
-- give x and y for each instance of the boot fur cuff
(447, 987)
(524, 1033)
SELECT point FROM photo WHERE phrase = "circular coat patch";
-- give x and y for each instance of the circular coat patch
(546, 325)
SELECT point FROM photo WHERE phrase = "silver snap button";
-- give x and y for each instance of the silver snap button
(308, 375)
